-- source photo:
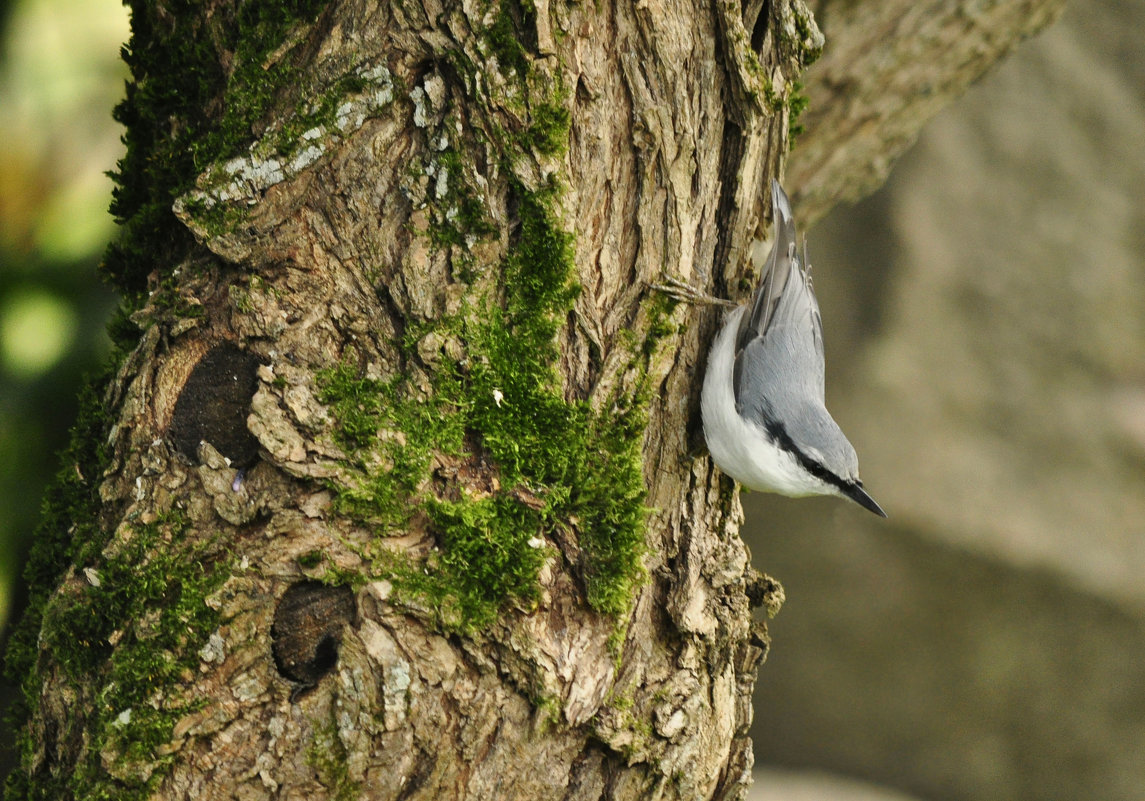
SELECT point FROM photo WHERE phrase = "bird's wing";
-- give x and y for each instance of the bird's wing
(773, 282)
(779, 347)
(783, 368)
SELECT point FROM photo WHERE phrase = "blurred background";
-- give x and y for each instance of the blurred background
(985, 326)
(60, 76)
(984, 318)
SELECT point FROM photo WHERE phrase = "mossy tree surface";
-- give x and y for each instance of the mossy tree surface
(426, 235)
(478, 554)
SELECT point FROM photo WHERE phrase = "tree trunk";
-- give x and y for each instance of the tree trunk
(395, 491)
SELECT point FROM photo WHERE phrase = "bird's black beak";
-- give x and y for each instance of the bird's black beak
(859, 495)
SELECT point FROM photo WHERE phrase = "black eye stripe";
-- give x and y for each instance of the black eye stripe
(783, 439)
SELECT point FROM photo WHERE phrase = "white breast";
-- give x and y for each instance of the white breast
(741, 448)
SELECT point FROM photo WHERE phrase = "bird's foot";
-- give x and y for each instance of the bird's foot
(675, 288)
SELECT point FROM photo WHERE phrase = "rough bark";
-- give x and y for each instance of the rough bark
(262, 605)
(378, 253)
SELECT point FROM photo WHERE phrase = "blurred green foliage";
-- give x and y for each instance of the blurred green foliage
(60, 76)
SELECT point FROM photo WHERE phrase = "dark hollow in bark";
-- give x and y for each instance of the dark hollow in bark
(214, 405)
(308, 629)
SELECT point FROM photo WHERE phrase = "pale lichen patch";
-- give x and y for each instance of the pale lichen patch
(241, 182)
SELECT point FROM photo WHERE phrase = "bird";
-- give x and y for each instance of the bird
(762, 403)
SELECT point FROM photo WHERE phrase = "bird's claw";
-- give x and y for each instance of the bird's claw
(675, 288)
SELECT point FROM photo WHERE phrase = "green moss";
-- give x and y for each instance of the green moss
(149, 599)
(184, 108)
(542, 100)
(327, 755)
(797, 102)
(391, 434)
(215, 219)
(549, 128)
(559, 464)
(550, 712)
(660, 325)
(458, 215)
(621, 706)
(300, 137)
(69, 518)
(556, 465)
(771, 99)
(504, 37)
(810, 39)
(122, 330)
(162, 588)
(589, 463)
(323, 113)
(611, 509)
(311, 559)
(357, 405)
(485, 560)
(167, 300)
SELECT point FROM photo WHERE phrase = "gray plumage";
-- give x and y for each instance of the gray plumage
(777, 385)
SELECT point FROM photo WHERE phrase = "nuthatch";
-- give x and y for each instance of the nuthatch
(765, 421)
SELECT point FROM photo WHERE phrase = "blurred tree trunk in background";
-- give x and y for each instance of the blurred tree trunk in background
(887, 69)
(393, 492)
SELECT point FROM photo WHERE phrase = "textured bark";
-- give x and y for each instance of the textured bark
(323, 248)
(887, 69)
(322, 251)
